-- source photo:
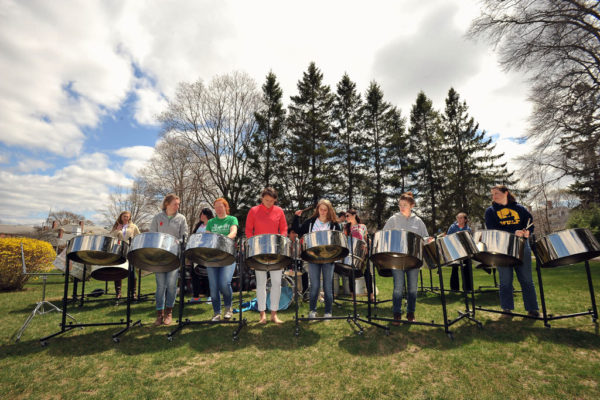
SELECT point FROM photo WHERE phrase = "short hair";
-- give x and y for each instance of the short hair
(168, 199)
(407, 196)
(269, 191)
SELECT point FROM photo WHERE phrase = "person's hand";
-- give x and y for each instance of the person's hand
(298, 213)
(525, 233)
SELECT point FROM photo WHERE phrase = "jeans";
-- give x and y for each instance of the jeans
(412, 277)
(525, 280)
(314, 272)
(261, 289)
(219, 280)
(166, 283)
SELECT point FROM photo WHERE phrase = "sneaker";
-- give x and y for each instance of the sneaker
(312, 314)
(410, 316)
(216, 317)
(228, 314)
(327, 315)
(534, 313)
(195, 300)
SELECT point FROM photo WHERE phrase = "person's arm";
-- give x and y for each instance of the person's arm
(184, 229)
(250, 223)
(136, 230)
(283, 226)
(491, 221)
(209, 226)
(232, 231)
(389, 224)
(154, 224)
(297, 227)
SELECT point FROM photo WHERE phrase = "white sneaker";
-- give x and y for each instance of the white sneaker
(216, 317)
(312, 314)
(228, 314)
(327, 315)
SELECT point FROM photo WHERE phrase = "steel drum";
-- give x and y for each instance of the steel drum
(567, 247)
(499, 248)
(324, 247)
(396, 249)
(268, 252)
(355, 259)
(210, 249)
(97, 250)
(155, 252)
(449, 249)
(111, 272)
(75, 268)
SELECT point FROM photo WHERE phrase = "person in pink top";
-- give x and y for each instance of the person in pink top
(267, 218)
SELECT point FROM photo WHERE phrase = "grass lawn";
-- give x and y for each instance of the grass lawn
(506, 359)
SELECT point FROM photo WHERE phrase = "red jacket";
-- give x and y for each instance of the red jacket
(262, 220)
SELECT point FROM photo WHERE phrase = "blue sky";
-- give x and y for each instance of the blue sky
(83, 81)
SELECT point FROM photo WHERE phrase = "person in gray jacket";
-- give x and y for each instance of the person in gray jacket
(405, 220)
(172, 222)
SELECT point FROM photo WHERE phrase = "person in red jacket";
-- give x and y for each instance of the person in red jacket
(267, 218)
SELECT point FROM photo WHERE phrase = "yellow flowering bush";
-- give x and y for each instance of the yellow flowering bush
(38, 258)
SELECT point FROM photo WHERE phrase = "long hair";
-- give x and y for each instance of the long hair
(504, 189)
(331, 216)
(347, 227)
(168, 199)
(119, 220)
(225, 203)
(209, 214)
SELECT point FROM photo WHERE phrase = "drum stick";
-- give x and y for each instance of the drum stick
(529, 223)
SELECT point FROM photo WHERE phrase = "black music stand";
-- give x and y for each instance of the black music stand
(66, 328)
(181, 323)
(39, 308)
(351, 318)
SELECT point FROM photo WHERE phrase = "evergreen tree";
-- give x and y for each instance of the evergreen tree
(310, 139)
(426, 136)
(377, 119)
(471, 167)
(265, 148)
(399, 161)
(349, 152)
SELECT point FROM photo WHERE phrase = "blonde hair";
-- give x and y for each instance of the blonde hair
(331, 215)
(119, 220)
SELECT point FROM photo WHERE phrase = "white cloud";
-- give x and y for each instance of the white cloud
(136, 158)
(28, 165)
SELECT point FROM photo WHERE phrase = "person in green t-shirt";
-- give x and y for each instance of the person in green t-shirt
(219, 278)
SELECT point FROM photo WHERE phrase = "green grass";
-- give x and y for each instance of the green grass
(516, 359)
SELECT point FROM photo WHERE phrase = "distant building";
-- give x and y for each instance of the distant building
(55, 234)
(550, 218)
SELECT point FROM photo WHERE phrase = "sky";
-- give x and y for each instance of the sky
(82, 81)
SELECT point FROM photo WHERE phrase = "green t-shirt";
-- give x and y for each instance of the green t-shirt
(221, 225)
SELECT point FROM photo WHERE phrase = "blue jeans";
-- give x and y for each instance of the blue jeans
(166, 283)
(219, 281)
(314, 273)
(525, 280)
(412, 277)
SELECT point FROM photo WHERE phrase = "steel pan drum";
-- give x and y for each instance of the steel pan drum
(355, 259)
(155, 252)
(75, 268)
(268, 252)
(324, 247)
(499, 248)
(567, 247)
(210, 249)
(450, 249)
(396, 249)
(111, 272)
(97, 250)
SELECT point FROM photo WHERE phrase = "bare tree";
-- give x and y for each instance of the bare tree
(133, 200)
(216, 122)
(64, 217)
(175, 168)
(558, 43)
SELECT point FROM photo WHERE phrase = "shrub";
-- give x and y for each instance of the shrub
(586, 218)
(38, 258)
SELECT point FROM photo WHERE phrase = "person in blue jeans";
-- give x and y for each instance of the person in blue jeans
(324, 218)
(461, 224)
(507, 215)
(405, 220)
(219, 278)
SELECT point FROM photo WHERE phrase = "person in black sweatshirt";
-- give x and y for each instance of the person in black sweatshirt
(507, 215)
